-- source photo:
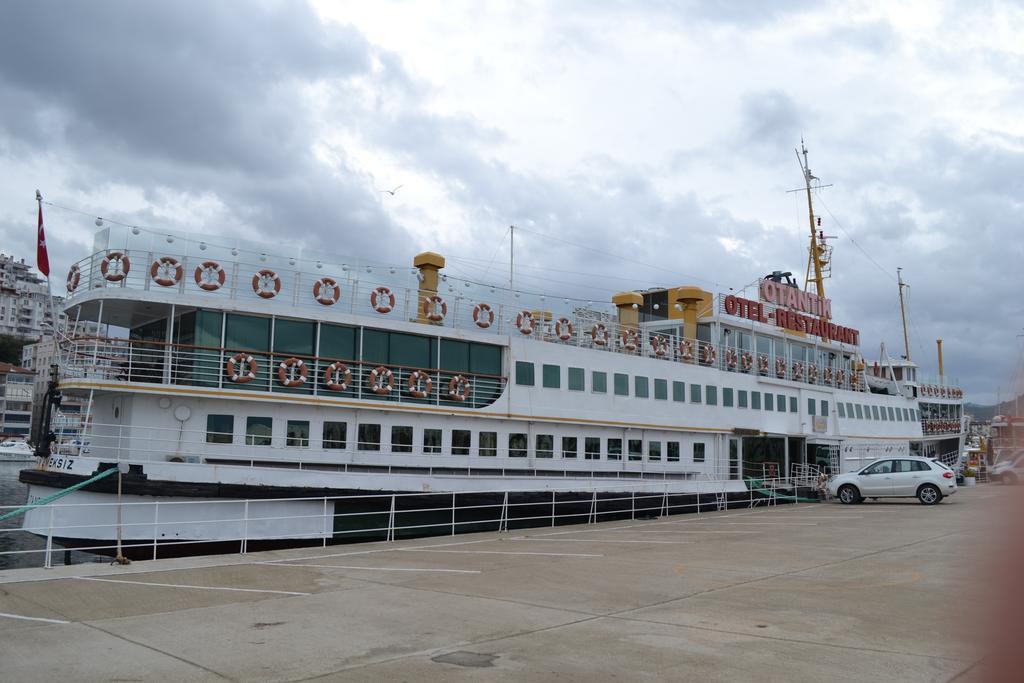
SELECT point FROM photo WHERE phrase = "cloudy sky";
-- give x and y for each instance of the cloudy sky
(632, 144)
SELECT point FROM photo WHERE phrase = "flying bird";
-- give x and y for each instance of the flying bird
(392, 192)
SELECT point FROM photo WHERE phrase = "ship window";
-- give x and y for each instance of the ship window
(899, 415)
(793, 405)
(220, 428)
(824, 408)
(694, 393)
(455, 355)
(576, 379)
(335, 434)
(247, 332)
(780, 403)
(906, 415)
(258, 431)
(297, 433)
(874, 412)
(811, 404)
(294, 336)
(431, 440)
(865, 410)
(552, 376)
(769, 401)
(488, 444)
(375, 346)
(842, 409)
(621, 384)
(892, 417)
(599, 382)
(337, 342)
(711, 395)
(698, 452)
(654, 450)
(461, 441)
(741, 398)
(727, 397)
(615, 449)
(524, 373)
(411, 350)
(592, 448)
(545, 446)
(755, 400)
(641, 387)
(368, 437)
(915, 414)
(673, 451)
(517, 445)
(678, 391)
(568, 446)
(849, 410)
(661, 389)
(485, 359)
(636, 449)
(401, 439)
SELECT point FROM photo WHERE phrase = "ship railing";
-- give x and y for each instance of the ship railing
(155, 362)
(950, 425)
(156, 525)
(518, 315)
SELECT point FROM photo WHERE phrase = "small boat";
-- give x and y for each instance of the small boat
(16, 451)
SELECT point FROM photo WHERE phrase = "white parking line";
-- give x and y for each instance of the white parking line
(376, 569)
(499, 552)
(682, 531)
(766, 523)
(20, 616)
(181, 585)
(377, 550)
(593, 540)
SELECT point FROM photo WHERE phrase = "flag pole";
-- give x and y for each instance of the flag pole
(43, 265)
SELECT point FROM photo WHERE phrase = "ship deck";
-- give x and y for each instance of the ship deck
(881, 591)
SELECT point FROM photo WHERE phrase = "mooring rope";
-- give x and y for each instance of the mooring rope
(56, 496)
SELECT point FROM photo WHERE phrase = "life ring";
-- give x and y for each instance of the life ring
(564, 329)
(483, 316)
(841, 377)
(382, 300)
(413, 384)
(231, 369)
(812, 373)
(337, 376)
(209, 276)
(599, 333)
(434, 308)
(74, 277)
(326, 291)
(686, 350)
(798, 372)
(659, 345)
(630, 339)
(525, 322)
(288, 377)
(762, 363)
(459, 388)
(731, 358)
(166, 271)
(780, 368)
(746, 361)
(261, 282)
(382, 380)
(120, 268)
(855, 379)
(709, 354)
(828, 376)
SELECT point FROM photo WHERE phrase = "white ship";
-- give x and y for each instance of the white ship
(15, 450)
(228, 374)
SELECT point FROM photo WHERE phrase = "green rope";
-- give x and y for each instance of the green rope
(56, 496)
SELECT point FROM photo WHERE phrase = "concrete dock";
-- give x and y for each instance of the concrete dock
(878, 591)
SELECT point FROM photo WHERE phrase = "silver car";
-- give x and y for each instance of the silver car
(904, 477)
(1009, 469)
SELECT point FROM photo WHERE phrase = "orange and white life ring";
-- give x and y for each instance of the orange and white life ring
(292, 372)
(762, 363)
(599, 333)
(659, 345)
(434, 308)
(828, 376)
(629, 339)
(812, 373)
(166, 271)
(525, 322)
(708, 354)
(266, 283)
(382, 380)
(780, 368)
(731, 358)
(564, 329)
(746, 361)
(419, 384)
(459, 388)
(232, 371)
(798, 371)
(337, 376)
(483, 316)
(382, 300)
(326, 291)
(686, 350)
(209, 276)
(855, 379)
(74, 277)
(115, 266)
(841, 377)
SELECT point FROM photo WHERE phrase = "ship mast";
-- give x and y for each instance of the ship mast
(903, 312)
(817, 258)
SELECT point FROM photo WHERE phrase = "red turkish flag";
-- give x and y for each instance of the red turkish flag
(42, 260)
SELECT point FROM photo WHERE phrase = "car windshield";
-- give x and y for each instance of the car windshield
(884, 467)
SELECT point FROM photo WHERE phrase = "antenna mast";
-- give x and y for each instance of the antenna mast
(820, 254)
(903, 311)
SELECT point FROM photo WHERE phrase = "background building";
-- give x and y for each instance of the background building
(24, 300)
(16, 386)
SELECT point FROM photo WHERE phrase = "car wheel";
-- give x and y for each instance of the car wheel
(929, 495)
(848, 494)
(1010, 478)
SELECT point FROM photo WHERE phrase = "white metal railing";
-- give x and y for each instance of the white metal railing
(380, 517)
(950, 426)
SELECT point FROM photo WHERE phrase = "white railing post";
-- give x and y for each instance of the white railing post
(245, 527)
(47, 562)
(632, 505)
(503, 521)
(391, 520)
(156, 525)
(552, 509)
(325, 516)
(453, 513)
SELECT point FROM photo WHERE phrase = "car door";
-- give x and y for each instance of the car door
(876, 479)
(906, 477)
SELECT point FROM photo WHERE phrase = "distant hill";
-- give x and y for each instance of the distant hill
(981, 412)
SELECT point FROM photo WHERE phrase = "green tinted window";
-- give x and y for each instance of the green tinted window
(792, 404)
(679, 391)
(220, 428)
(337, 342)
(297, 433)
(661, 389)
(576, 379)
(294, 336)
(741, 398)
(842, 409)
(780, 403)
(258, 431)
(711, 395)
(621, 384)
(727, 397)
(524, 373)
(375, 346)
(455, 356)
(824, 408)
(694, 393)
(810, 406)
(410, 350)
(755, 400)
(401, 439)
(552, 376)
(599, 382)
(641, 388)
(207, 330)
(485, 359)
(769, 401)
(247, 332)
